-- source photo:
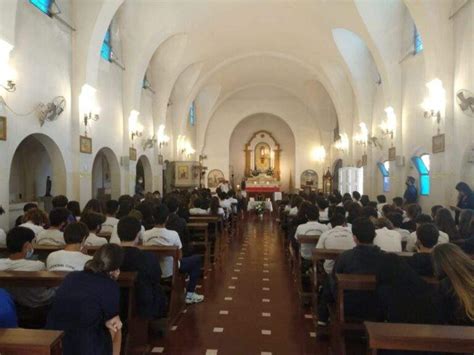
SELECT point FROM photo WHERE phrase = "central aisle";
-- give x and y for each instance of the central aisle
(251, 306)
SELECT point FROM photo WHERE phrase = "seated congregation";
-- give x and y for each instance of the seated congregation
(139, 236)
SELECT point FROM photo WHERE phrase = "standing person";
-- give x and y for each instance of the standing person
(455, 269)
(465, 199)
(87, 306)
(411, 193)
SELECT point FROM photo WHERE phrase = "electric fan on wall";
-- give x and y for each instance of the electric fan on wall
(465, 100)
(52, 110)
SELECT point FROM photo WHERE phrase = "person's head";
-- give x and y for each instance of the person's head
(161, 214)
(422, 219)
(363, 230)
(198, 203)
(29, 206)
(59, 201)
(107, 260)
(369, 212)
(156, 194)
(36, 216)
(111, 207)
(173, 204)
(383, 222)
(125, 206)
(312, 212)
(435, 210)
(463, 189)
(346, 196)
(356, 195)
(410, 180)
(128, 229)
(427, 236)
(19, 241)
(386, 209)
(396, 219)
(322, 203)
(397, 202)
(445, 222)
(338, 220)
(75, 233)
(381, 199)
(58, 217)
(413, 210)
(93, 221)
(297, 201)
(364, 200)
(93, 205)
(74, 208)
(451, 262)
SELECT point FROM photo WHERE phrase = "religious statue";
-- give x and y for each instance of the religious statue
(262, 157)
(49, 185)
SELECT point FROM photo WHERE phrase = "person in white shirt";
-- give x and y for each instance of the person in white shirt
(313, 228)
(339, 237)
(72, 257)
(224, 186)
(93, 221)
(214, 207)
(397, 221)
(111, 221)
(381, 201)
(35, 219)
(356, 197)
(20, 248)
(423, 219)
(3, 237)
(53, 235)
(190, 265)
(323, 206)
(385, 237)
(197, 209)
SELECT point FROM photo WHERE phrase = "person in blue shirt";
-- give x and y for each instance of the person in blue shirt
(8, 317)
(87, 306)
(411, 193)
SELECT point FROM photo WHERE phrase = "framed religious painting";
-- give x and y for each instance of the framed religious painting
(438, 143)
(392, 154)
(214, 177)
(183, 172)
(85, 145)
(132, 153)
(364, 160)
(3, 128)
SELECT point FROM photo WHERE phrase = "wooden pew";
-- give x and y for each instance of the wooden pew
(307, 240)
(200, 234)
(419, 337)
(30, 341)
(137, 337)
(339, 325)
(217, 224)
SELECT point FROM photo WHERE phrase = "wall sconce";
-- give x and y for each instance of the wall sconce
(7, 74)
(435, 103)
(362, 137)
(163, 139)
(136, 129)
(184, 146)
(88, 105)
(342, 144)
(389, 125)
(319, 154)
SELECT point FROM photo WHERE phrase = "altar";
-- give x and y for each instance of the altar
(262, 185)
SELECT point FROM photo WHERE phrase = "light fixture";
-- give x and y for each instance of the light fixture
(184, 146)
(434, 105)
(136, 129)
(342, 144)
(163, 139)
(7, 74)
(88, 105)
(319, 154)
(389, 125)
(362, 137)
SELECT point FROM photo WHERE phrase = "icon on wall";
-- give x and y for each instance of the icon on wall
(3, 128)
(132, 152)
(364, 160)
(438, 143)
(85, 145)
(392, 154)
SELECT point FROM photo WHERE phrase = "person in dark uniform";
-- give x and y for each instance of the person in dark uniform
(411, 193)
(465, 199)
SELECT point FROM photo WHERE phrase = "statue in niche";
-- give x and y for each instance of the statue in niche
(49, 186)
(262, 157)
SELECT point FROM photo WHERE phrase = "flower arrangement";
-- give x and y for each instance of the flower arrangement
(260, 208)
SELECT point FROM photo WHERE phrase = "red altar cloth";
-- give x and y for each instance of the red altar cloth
(262, 189)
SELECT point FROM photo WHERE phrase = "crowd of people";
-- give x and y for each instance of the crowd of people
(371, 236)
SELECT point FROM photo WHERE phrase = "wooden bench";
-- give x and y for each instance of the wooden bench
(296, 263)
(339, 325)
(137, 338)
(30, 341)
(216, 223)
(200, 237)
(419, 337)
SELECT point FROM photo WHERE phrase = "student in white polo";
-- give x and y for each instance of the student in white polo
(312, 227)
(53, 235)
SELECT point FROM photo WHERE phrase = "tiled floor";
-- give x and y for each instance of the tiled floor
(250, 308)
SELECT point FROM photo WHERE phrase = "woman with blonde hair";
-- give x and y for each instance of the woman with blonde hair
(455, 269)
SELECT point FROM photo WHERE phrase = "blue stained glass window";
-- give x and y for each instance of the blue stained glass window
(43, 5)
(192, 114)
(106, 50)
(384, 170)
(422, 165)
(418, 42)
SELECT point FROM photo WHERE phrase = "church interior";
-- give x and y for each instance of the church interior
(236, 177)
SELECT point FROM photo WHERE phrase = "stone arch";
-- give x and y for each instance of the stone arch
(144, 170)
(36, 157)
(105, 175)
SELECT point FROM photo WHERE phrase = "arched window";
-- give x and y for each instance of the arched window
(43, 5)
(106, 50)
(192, 114)
(417, 42)
(385, 171)
(423, 164)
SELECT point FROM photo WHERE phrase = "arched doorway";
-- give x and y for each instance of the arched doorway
(36, 158)
(105, 175)
(144, 172)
